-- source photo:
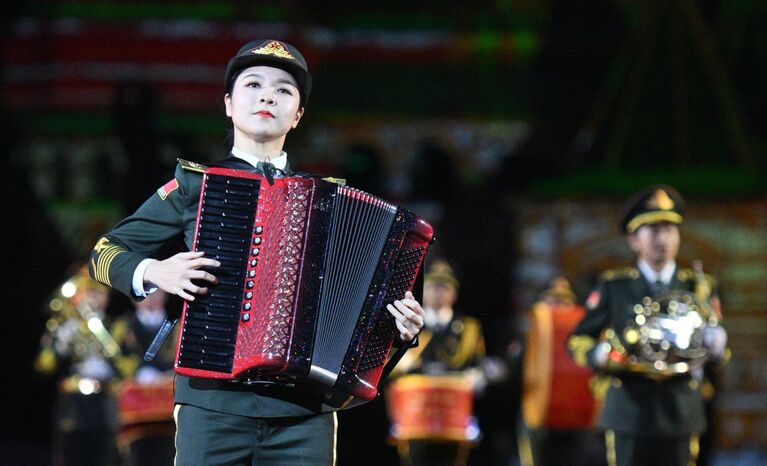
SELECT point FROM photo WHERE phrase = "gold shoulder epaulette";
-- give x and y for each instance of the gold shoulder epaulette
(191, 166)
(467, 320)
(689, 274)
(339, 181)
(620, 274)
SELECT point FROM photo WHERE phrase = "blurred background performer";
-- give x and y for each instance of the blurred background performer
(431, 401)
(558, 407)
(80, 351)
(651, 415)
(145, 397)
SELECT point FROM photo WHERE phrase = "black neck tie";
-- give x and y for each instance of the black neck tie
(658, 288)
(268, 169)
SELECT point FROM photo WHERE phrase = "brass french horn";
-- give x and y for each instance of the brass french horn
(69, 309)
(665, 335)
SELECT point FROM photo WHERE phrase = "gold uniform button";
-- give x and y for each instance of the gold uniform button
(694, 384)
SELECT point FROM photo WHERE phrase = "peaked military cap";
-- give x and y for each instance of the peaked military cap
(559, 289)
(441, 272)
(653, 204)
(274, 53)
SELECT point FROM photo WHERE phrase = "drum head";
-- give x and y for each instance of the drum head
(432, 408)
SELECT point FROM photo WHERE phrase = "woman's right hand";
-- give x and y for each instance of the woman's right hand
(175, 274)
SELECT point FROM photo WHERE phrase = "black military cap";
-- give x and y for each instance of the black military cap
(653, 204)
(441, 273)
(271, 53)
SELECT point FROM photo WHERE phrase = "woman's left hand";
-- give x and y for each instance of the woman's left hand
(408, 315)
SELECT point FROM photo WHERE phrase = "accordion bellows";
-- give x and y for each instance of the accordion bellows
(307, 269)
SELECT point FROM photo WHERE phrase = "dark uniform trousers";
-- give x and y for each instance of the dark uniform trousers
(630, 449)
(228, 439)
(646, 421)
(85, 429)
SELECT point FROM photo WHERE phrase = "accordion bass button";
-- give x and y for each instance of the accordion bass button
(249, 295)
(255, 251)
(254, 262)
(250, 284)
(259, 230)
(257, 240)
(245, 317)
(246, 306)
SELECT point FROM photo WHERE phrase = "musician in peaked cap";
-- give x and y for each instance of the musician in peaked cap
(649, 416)
(451, 348)
(266, 88)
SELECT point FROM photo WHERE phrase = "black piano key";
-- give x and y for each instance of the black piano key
(225, 213)
(222, 237)
(222, 183)
(205, 364)
(229, 197)
(226, 227)
(213, 340)
(213, 219)
(200, 350)
(221, 295)
(224, 232)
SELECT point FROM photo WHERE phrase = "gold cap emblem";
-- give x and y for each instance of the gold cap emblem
(274, 48)
(660, 200)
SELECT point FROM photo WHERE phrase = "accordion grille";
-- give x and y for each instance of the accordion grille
(405, 269)
(286, 213)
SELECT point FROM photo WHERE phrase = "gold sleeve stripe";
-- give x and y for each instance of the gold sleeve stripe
(580, 345)
(104, 260)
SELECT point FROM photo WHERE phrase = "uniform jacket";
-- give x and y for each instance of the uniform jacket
(635, 403)
(454, 348)
(170, 213)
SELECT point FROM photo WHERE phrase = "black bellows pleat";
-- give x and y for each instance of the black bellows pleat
(360, 227)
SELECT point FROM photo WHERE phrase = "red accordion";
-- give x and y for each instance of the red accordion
(307, 269)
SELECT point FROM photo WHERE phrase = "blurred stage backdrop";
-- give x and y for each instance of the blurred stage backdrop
(517, 126)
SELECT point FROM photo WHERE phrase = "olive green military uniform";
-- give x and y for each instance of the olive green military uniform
(283, 419)
(660, 416)
(452, 348)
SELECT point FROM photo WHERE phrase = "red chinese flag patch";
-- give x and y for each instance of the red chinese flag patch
(593, 300)
(165, 190)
